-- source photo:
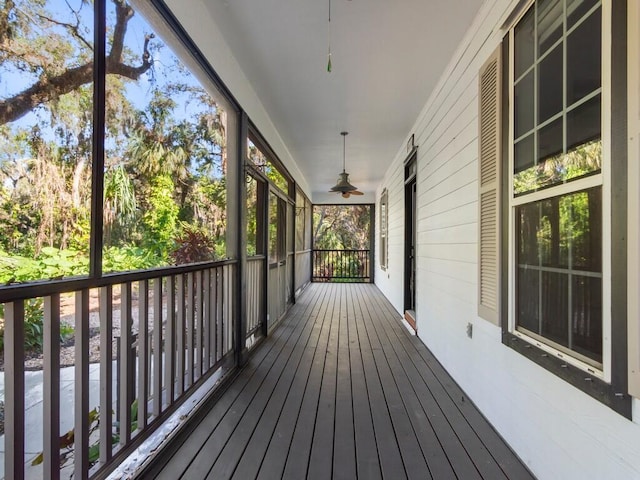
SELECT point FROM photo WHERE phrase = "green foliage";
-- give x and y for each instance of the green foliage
(165, 149)
(193, 245)
(33, 326)
(123, 259)
(120, 203)
(67, 440)
(51, 263)
(161, 220)
(338, 227)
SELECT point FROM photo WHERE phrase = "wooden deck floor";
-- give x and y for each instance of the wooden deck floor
(341, 390)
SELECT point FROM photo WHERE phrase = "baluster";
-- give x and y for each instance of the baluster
(206, 313)
(157, 347)
(106, 372)
(198, 321)
(180, 326)
(190, 325)
(219, 315)
(143, 352)
(170, 343)
(125, 364)
(14, 390)
(81, 428)
(51, 387)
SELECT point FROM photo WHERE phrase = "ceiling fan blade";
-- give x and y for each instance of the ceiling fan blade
(356, 192)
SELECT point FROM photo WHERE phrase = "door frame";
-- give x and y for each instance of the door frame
(410, 195)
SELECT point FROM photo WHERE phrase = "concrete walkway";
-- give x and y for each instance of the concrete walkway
(34, 411)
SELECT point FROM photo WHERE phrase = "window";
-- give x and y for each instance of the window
(384, 219)
(556, 179)
(560, 192)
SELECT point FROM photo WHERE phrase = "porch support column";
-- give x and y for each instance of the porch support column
(241, 297)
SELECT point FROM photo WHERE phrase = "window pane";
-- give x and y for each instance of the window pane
(549, 24)
(558, 242)
(553, 166)
(524, 157)
(584, 124)
(166, 157)
(549, 169)
(586, 317)
(528, 284)
(45, 139)
(524, 104)
(576, 9)
(524, 43)
(583, 214)
(553, 235)
(529, 219)
(550, 85)
(555, 308)
(584, 58)
(525, 178)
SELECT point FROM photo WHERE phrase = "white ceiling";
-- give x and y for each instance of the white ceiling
(387, 56)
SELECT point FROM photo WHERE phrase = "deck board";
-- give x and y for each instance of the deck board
(340, 390)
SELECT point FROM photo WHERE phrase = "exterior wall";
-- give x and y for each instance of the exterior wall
(558, 431)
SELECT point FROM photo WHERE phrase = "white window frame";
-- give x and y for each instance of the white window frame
(602, 179)
(633, 202)
(384, 230)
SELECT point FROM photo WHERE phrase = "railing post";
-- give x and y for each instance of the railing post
(240, 306)
(14, 390)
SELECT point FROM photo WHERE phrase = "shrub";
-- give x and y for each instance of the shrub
(193, 245)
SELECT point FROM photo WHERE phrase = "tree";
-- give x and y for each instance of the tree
(57, 72)
(165, 138)
(341, 227)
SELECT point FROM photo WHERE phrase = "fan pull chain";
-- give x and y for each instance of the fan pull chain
(329, 39)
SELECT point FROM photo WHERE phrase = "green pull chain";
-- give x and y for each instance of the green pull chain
(329, 39)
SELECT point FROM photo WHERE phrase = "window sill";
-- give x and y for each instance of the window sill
(613, 396)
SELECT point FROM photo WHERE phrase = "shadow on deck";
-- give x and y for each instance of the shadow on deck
(340, 390)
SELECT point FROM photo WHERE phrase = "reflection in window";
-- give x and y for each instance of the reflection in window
(565, 143)
(46, 125)
(384, 230)
(559, 271)
(558, 252)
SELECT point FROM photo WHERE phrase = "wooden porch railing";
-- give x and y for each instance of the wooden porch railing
(341, 266)
(176, 329)
(255, 279)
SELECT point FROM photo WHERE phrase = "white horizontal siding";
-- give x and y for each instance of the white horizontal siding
(556, 429)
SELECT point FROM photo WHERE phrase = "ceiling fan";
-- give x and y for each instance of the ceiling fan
(343, 186)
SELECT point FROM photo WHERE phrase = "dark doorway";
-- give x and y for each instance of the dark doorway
(410, 237)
